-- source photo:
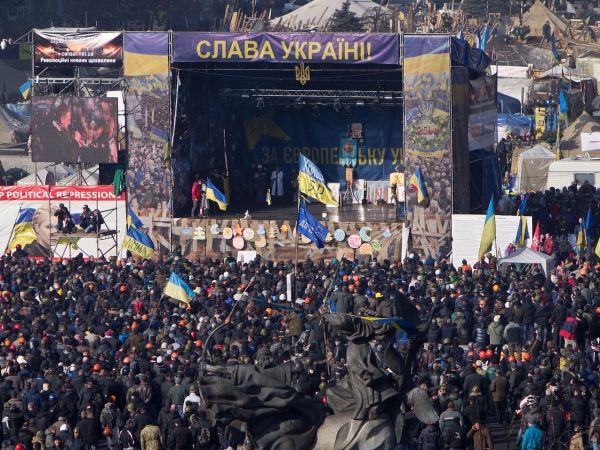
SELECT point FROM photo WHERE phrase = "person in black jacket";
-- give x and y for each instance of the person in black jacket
(528, 319)
(480, 334)
(454, 435)
(555, 424)
(578, 408)
(90, 429)
(542, 323)
(558, 318)
(181, 438)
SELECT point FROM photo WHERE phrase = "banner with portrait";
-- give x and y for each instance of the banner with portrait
(427, 140)
(148, 123)
(30, 216)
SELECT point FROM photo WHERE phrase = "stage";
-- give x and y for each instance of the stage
(349, 213)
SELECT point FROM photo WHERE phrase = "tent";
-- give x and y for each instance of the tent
(532, 169)
(89, 177)
(318, 12)
(514, 123)
(570, 144)
(47, 175)
(507, 104)
(537, 16)
(526, 255)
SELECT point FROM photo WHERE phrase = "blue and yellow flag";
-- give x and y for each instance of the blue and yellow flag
(26, 89)
(312, 183)
(489, 229)
(137, 242)
(416, 181)
(268, 198)
(522, 230)
(310, 227)
(396, 322)
(133, 220)
(212, 193)
(23, 232)
(177, 289)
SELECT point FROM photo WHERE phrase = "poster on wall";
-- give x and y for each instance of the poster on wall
(427, 141)
(348, 152)
(29, 217)
(148, 123)
(73, 48)
(74, 129)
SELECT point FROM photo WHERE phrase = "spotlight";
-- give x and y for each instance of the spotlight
(260, 103)
(324, 215)
(337, 105)
(316, 112)
(348, 111)
(3, 44)
(298, 103)
(360, 103)
(376, 106)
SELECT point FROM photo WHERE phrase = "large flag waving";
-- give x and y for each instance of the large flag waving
(133, 220)
(536, 241)
(522, 231)
(177, 289)
(137, 242)
(312, 183)
(23, 232)
(310, 227)
(212, 193)
(416, 181)
(489, 229)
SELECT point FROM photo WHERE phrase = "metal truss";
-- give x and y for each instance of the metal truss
(89, 87)
(299, 97)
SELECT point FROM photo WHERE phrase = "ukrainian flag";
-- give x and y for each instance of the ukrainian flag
(133, 220)
(489, 229)
(177, 289)
(396, 322)
(23, 232)
(268, 198)
(26, 89)
(416, 181)
(522, 231)
(137, 242)
(312, 183)
(212, 193)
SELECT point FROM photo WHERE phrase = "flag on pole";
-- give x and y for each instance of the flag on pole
(588, 224)
(485, 37)
(310, 227)
(26, 89)
(522, 231)
(177, 289)
(558, 156)
(416, 181)
(212, 193)
(312, 183)
(137, 242)
(477, 39)
(535, 242)
(489, 229)
(460, 35)
(268, 198)
(555, 55)
(133, 220)
(584, 237)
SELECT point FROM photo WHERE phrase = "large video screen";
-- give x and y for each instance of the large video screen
(64, 48)
(74, 129)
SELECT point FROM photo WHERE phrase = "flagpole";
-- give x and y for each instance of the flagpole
(296, 262)
(12, 232)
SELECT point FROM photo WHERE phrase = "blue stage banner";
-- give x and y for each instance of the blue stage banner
(334, 48)
(277, 135)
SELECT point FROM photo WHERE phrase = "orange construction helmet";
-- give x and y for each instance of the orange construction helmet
(126, 360)
(482, 354)
(511, 358)
(134, 326)
(198, 343)
(97, 367)
(489, 353)
(174, 355)
(345, 278)
(269, 311)
(21, 340)
(123, 288)
(526, 356)
(307, 300)
(145, 317)
(182, 323)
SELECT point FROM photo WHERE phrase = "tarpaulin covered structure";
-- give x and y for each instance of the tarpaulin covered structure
(532, 169)
(513, 123)
(526, 255)
(473, 58)
(507, 104)
(570, 144)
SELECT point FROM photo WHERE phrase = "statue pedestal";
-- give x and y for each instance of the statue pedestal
(341, 432)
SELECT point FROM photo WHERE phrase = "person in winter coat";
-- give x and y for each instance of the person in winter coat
(576, 442)
(151, 438)
(499, 390)
(454, 435)
(480, 334)
(512, 334)
(90, 430)
(495, 330)
(594, 430)
(533, 438)
(387, 308)
(528, 319)
(181, 437)
(127, 437)
(430, 438)
(481, 437)
(434, 334)
(38, 442)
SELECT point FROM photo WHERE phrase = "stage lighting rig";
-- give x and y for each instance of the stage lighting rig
(316, 112)
(260, 103)
(337, 105)
(348, 112)
(376, 106)
(299, 104)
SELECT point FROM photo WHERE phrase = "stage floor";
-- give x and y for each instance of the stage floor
(347, 213)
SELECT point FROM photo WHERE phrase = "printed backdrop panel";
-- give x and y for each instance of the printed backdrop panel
(27, 217)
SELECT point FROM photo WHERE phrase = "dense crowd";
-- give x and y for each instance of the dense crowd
(94, 356)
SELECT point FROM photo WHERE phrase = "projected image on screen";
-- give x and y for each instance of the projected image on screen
(74, 129)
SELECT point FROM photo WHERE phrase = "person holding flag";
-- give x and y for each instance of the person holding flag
(212, 193)
(416, 181)
(136, 240)
(177, 289)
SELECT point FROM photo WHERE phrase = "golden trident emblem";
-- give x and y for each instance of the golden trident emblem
(302, 74)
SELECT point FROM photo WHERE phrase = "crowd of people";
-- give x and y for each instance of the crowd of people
(94, 355)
